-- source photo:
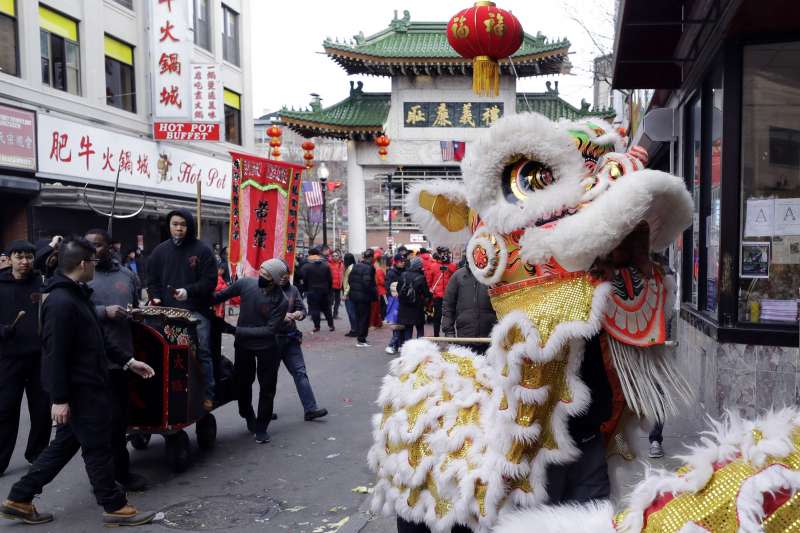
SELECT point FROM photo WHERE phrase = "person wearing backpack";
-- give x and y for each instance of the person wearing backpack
(363, 291)
(413, 294)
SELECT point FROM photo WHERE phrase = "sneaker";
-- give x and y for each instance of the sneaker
(134, 482)
(363, 345)
(274, 416)
(262, 437)
(25, 512)
(331, 328)
(351, 334)
(390, 350)
(128, 516)
(656, 451)
(317, 413)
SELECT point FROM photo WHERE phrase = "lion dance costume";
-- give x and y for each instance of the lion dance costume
(559, 225)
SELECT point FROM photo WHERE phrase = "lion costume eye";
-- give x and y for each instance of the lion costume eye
(523, 177)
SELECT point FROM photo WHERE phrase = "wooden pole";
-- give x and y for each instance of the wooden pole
(198, 211)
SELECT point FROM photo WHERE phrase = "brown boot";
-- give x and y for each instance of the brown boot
(25, 512)
(128, 516)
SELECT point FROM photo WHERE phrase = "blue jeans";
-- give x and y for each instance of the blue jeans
(351, 314)
(397, 339)
(292, 357)
(204, 353)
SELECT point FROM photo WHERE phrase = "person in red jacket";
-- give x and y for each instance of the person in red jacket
(437, 275)
(337, 273)
(379, 306)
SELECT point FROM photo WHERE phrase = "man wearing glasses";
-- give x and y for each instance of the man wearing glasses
(21, 355)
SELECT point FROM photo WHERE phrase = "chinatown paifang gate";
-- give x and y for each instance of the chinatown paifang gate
(430, 117)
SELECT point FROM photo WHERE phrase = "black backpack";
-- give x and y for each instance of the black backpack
(405, 290)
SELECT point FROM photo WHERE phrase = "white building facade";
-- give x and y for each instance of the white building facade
(85, 71)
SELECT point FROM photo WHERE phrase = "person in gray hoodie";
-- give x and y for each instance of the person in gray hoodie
(262, 311)
(114, 289)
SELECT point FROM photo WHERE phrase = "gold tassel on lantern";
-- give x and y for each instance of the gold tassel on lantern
(485, 76)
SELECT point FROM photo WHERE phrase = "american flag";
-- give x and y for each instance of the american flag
(448, 152)
(313, 193)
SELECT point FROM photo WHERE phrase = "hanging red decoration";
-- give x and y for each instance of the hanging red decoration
(275, 143)
(309, 164)
(485, 34)
(308, 156)
(383, 142)
(274, 132)
(307, 146)
(276, 153)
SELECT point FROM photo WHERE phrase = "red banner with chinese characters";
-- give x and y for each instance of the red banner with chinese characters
(264, 204)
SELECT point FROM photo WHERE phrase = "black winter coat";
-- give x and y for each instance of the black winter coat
(317, 275)
(261, 313)
(411, 315)
(466, 308)
(190, 266)
(20, 295)
(74, 352)
(362, 283)
(392, 275)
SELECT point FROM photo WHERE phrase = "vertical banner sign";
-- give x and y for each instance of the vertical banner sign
(265, 196)
(173, 78)
(207, 106)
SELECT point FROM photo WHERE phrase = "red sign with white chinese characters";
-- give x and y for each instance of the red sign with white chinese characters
(17, 138)
(264, 205)
(186, 131)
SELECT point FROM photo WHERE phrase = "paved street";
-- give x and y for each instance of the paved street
(302, 482)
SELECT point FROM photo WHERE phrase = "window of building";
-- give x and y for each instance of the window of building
(120, 84)
(202, 24)
(60, 51)
(8, 38)
(230, 35)
(769, 278)
(233, 117)
(125, 3)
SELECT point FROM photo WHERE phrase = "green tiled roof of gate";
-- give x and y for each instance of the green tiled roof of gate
(427, 40)
(407, 47)
(360, 113)
(551, 105)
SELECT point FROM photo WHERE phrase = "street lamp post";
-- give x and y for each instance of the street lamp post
(323, 173)
(389, 240)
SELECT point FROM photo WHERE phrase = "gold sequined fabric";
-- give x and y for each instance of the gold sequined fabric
(549, 303)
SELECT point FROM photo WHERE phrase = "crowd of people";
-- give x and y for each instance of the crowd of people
(404, 291)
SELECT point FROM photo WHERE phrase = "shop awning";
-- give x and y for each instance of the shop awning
(17, 185)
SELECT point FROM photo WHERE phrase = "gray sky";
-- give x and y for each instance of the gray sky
(289, 63)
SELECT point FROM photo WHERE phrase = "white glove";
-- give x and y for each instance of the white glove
(181, 295)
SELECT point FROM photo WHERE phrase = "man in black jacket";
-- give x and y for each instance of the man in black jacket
(318, 283)
(393, 276)
(363, 291)
(75, 373)
(261, 313)
(182, 272)
(413, 294)
(21, 355)
(466, 308)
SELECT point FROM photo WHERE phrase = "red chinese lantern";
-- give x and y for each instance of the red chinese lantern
(275, 143)
(309, 165)
(274, 132)
(307, 146)
(485, 33)
(382, 141)
(276, 153)
(308, 156)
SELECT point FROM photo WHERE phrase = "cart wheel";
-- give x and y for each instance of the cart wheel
(178, 451)
(139, 441)
(206, 430)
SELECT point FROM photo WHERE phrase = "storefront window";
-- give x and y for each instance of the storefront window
(770, 195)
(713, 218)
(8, 38)
(694, 173)
(120, 91)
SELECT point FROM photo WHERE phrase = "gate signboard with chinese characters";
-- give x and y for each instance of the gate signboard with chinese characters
(187, 96)
(264, 204)
(451, 114)
(78, 152)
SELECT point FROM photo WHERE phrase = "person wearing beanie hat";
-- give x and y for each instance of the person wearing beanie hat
(21, 354)
(318, 283)
(261, 314)
(5, 260)
(392, 277)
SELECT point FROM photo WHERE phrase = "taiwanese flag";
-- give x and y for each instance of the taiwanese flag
(459, 147)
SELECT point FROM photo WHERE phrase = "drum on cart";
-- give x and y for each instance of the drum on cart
(166, 339)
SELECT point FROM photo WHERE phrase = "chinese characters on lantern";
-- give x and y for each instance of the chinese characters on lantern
(451, 114)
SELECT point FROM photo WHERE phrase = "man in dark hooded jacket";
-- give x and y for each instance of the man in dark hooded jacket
(466, 309)
(182, 272)
(413, 294)
(21, 355)
(318, 283)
